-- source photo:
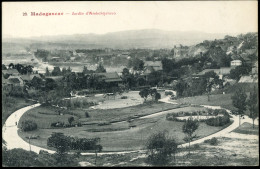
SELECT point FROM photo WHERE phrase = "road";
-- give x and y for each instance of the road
(13, 140)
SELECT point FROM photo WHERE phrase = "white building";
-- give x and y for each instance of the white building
(235, 63)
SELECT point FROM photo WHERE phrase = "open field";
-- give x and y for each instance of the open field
(121, 136)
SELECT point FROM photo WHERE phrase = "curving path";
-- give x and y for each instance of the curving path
(13, 140)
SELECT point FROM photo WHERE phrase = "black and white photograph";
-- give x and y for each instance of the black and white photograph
(130, 83)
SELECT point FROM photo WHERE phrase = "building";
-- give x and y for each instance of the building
(156, 65)
(16, 81)
(29, 77)
(235, 63)
(109, 77)
(10, 72)
(223, 71)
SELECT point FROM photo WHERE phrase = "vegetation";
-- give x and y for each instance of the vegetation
(253, 105)
(189, 127)
(160, 148)
(239, 101)
(28, 125)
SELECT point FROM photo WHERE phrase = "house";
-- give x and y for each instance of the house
(220, 72)
(11, 72)
(29, 77)
(156, 65)
(16, 81)
(109, 77)
(235, 63)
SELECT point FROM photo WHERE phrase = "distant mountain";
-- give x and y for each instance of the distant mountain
(147, 38)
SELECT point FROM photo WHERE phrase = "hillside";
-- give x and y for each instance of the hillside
(147, 38)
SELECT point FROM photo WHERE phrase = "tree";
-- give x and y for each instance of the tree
(168, 65)
(70, 120)
(239, 101)
(47, 72)
(252, 104)
(240, 71)
(4, 67)
(85, 70)
(189, 127)
(56, 71)
(160, 148)
(100, 69)
(157, 97)
(144, 93)
(62, 145)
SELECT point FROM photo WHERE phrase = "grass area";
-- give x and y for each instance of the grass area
(44, 116)
(12, 104)
(247, 128)
(223, 100)
(121, 137)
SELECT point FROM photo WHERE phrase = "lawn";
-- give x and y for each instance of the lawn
(223, 100)
(121, 136)
(247, 128)
(43, 116)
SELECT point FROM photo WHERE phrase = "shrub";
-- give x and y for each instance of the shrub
(28, 125)
(218, 121)
(87, 115)
(124, 97)
(168, 93)
(212, 141)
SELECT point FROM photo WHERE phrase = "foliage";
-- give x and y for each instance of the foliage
(87, 115)
(213, 141)
(144, 93)
(240, 71)
(218, 121)
(157, 96)
(189, 127)
(253, 104)
(100, 69)
(28, 125)
(20, 158)
(70, 120)
(239, 101)
(160, 148)
(60, 142)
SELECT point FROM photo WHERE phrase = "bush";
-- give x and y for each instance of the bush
(124, 97)
(28, 125)
(213, 141)
(87, 115)
(218, 121)
(168, 93)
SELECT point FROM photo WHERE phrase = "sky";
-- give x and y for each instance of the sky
(205, 16)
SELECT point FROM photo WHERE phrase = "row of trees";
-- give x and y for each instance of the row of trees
(241, 103)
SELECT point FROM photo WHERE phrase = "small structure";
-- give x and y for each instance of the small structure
(16, 81)
(156, 65)
(235, 63)
(29, 77)
(9, 72)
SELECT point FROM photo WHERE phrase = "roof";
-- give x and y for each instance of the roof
(236, 60)
(30, 77)
(109, 77)
(10, 71)
(55, 78)
(217, 71)
(153, 64)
